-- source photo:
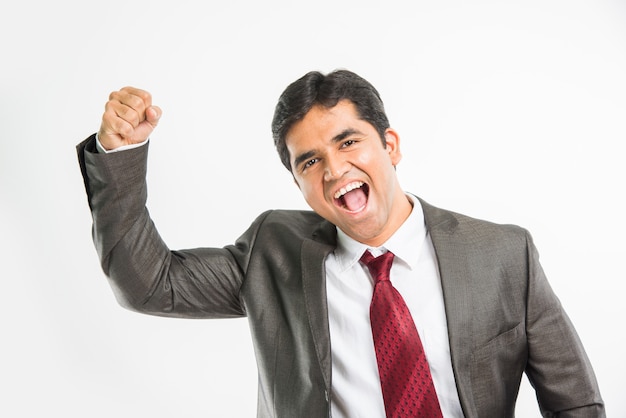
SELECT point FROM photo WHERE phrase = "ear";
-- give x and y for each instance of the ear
(392, 140)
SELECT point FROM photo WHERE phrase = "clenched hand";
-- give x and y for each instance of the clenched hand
(129, 118)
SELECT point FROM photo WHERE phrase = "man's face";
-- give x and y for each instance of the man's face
(346, 175)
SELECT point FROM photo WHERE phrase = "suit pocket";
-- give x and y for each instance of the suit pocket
(500, 342)
(496, 372)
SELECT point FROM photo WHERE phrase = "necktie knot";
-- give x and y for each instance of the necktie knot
(380, 266)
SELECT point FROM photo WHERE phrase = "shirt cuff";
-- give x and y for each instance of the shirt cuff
(101, 149)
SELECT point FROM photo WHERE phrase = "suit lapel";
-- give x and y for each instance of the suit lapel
(313, 255)
(452, 262)
(442, 226)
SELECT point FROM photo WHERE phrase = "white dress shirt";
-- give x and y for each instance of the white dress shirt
(101, 149)
(356, 391)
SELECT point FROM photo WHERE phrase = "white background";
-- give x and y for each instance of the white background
(513, 111)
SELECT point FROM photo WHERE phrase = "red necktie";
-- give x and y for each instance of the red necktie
(405, 378)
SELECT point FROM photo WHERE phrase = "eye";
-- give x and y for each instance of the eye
(347, 143)
(309, 163)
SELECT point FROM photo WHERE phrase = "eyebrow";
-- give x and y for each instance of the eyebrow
(337, 138)
(303, 157)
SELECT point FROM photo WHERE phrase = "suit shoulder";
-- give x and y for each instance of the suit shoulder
(471, 228)
(307, 217)
(490, 226)
(302, 223)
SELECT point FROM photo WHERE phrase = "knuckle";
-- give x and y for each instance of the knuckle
(122, 127)
(129, 115)
(135, 103)
(109, 116)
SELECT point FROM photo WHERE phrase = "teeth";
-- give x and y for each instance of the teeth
(349, 187)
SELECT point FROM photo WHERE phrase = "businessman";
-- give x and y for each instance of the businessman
(373, 304)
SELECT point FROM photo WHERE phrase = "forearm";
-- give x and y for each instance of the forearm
(595, 410)
(558, 366)
(144, 274)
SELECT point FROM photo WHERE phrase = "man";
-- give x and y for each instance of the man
(475, 292)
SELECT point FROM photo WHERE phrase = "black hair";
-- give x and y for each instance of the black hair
(315, 88)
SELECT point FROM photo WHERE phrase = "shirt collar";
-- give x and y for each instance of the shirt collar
(405, 243)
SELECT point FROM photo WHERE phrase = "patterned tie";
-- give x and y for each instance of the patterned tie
(405, 378)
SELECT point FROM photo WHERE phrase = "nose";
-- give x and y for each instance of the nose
(335, 168)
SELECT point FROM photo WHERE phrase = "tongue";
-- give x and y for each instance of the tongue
(354, 199)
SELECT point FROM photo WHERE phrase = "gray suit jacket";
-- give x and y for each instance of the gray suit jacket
(503, 318)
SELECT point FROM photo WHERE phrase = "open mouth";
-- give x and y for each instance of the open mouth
(352, 197)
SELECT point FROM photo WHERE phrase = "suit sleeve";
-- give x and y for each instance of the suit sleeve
(558, 367)
(145, 275)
